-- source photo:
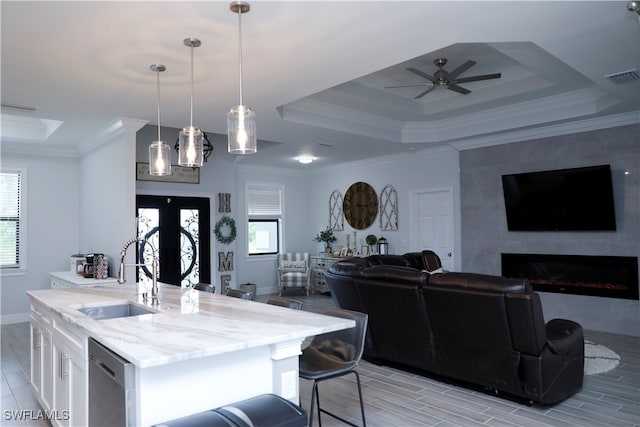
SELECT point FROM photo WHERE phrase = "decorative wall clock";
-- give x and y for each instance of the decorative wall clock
(360, 205)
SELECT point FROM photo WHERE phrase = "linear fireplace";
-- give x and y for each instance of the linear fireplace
(603, 276)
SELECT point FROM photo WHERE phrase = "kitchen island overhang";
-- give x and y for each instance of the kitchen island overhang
(198, 350)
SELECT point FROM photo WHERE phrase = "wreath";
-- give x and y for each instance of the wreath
(225, 230)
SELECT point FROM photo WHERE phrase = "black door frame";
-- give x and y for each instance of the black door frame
(169, 218)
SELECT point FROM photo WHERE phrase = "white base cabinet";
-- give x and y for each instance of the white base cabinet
(59, 367)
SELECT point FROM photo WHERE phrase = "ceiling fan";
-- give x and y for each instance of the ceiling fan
(450, 79)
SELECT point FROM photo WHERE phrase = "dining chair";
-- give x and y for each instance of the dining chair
(285, 302)
(333, 355)
(206, 287)
(237, 293)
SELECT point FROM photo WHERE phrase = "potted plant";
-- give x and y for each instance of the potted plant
(371, 240)
(327, 237)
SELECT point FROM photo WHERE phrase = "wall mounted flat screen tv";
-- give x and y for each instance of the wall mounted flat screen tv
(578, 199)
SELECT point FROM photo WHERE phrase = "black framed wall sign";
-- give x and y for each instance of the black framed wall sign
(181, 174)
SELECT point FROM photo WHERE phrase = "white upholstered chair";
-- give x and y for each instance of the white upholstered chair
(293, 271)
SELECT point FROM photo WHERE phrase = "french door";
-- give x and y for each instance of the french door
(176, 229)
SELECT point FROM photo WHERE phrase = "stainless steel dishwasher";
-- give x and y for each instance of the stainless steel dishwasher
(111, 388)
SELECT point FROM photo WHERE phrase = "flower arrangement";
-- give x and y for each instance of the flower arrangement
(326, 236)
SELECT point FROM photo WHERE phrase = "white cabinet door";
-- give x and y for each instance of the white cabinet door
(70, 381)
(78, 408)
(41, 357)
(60, 384)
(36, 357)
(46, 392)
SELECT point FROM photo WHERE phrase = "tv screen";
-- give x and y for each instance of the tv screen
(579, 199)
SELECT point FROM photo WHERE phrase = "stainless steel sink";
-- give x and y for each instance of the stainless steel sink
(113, 311)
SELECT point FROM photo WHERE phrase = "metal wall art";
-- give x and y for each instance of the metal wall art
(225, 283)
(224, 202)
(182, 174)
(388, 208)
(336, 219)
(225, 261)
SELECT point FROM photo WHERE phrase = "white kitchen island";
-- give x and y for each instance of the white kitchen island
(197, 351)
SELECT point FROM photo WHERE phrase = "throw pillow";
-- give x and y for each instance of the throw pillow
(293, 265)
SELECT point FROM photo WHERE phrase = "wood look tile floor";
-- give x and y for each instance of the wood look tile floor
(397, 398)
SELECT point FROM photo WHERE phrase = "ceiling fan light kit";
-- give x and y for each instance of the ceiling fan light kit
(448, 79)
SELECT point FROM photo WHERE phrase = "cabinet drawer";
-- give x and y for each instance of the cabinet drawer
(40, 314)
(69, 335)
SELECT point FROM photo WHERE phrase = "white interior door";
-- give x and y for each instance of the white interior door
(432, 220)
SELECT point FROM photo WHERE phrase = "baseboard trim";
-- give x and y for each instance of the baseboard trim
(8, 319)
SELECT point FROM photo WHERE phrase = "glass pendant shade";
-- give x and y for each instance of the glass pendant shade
(241, 129)
(159, 159)
(190, 147)
(190, 140)
(159, 152)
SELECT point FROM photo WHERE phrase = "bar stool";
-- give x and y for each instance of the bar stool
(237, 293)
(333, 355)
(206, 287)
(285, 302)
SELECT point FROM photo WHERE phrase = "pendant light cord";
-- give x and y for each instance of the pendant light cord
(240, 49)
(158, 92)
(191, 98)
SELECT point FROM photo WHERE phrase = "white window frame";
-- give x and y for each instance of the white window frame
(21, 267)
(280, 218)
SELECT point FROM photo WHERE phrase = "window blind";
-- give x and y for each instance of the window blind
(264, 201)
(10, 188)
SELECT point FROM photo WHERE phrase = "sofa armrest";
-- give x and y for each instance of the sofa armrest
(562, 335)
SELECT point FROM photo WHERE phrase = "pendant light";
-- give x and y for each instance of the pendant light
(159, 152)
(241, 120)
(190, 151)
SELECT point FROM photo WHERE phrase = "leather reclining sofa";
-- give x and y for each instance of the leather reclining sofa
(481, 330)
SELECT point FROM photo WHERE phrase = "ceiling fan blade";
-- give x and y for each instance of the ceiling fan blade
(461, 69)
(458, 89)
(477, 78)
(420, 73)
(392, 87)
(424, 93)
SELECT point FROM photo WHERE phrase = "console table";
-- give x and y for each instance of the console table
(319, 265)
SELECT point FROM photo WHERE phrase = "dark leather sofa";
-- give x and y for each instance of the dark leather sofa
(480, 330)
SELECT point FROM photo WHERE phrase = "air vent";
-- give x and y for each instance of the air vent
(624, 77)
(326, 144)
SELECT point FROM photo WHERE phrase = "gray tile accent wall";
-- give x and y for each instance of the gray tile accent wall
(484, 225)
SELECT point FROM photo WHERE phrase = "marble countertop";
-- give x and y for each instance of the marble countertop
(187, 324)
(80, 280)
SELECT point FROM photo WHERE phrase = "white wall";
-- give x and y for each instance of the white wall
(75, 205)
(52, 227)
(296, 232)
(107, 182)
(424, 170)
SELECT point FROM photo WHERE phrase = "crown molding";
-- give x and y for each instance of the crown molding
(559, 129)
(121, 126)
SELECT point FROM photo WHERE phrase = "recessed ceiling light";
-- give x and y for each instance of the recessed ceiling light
(304, 159)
